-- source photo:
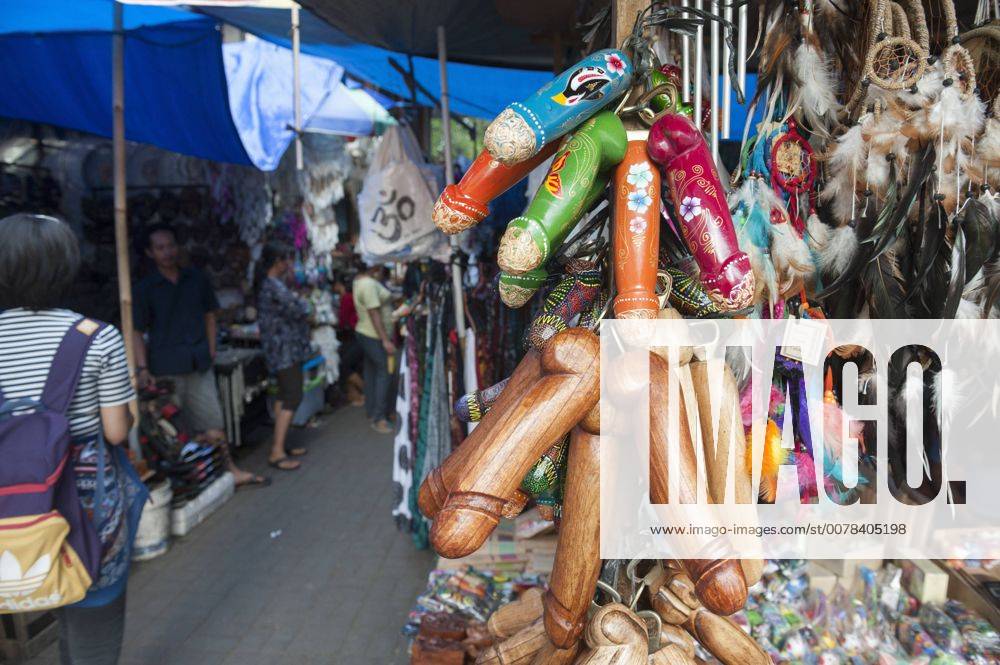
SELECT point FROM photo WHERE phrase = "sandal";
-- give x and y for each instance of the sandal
(255, 481)
(284, 464)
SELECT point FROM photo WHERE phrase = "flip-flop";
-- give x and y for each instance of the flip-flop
(277, 464)
(296, 452)
(256, 481)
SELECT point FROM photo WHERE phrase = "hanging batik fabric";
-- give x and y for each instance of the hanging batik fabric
(402, 467)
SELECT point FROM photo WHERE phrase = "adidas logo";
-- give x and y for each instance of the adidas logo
(14, 583)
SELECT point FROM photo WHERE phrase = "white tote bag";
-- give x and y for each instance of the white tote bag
(395, 203)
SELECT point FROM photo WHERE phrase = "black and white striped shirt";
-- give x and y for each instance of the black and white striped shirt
(28, 343)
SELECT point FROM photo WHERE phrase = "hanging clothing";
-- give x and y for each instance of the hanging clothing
(402, 467)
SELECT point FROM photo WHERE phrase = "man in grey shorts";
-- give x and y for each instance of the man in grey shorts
(176, 307)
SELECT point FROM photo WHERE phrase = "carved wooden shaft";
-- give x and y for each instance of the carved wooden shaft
(550, 654)
(615, 636)
(578, 556)
(439, 482)
(558, 106)
(462, 206)
(576, 178)
(674, 599)
(719, 583)
(517, 432)
(701, 210)
(636, 236)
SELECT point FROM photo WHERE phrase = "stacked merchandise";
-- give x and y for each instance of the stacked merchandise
(525, 545)
(191, 466)
(882, 622)
(449, 623)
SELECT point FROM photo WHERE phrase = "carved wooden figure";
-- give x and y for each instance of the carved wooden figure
(462, 206)
(518, 649)
(577, 177)
(512, 436)
(673, 598)
(578, 558)
(436, 487)
(719, 582)
(516, 615)
(615, 636)
(636, 233)
(701, 210)
(557, 107)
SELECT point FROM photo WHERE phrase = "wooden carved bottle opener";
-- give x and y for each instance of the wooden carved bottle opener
(636, 235)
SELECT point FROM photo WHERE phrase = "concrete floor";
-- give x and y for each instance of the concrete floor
(334, 587)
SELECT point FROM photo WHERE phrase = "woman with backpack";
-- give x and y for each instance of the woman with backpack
(64, 395)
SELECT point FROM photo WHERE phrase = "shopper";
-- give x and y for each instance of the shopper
(284, 336)
(351, 355)
(374, 305)
(39, 259)
(176, 307)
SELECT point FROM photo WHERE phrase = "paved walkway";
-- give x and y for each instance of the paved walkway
(333, 588)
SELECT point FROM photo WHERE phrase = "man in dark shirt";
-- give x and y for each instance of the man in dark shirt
(176, 307)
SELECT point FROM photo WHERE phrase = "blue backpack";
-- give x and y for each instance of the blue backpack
(50, 553)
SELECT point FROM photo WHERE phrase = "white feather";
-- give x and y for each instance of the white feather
(846, 164)
(817, 234)
(792, 261)
(817, 92)
(839, 251)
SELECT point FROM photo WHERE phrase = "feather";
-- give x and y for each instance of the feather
(774, 456)
(884, 283)
(752, 205)
(793, 262)
(846, 162)
(991, 286)
(839, 251)
(919, 173)
(980, 235)
(968, 309)
(956, 282)
(934, 231)
(817, 91)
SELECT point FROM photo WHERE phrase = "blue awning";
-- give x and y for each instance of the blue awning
(184, 90)
(55, 64)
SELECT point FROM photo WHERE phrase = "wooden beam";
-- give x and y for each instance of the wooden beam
(624, 13)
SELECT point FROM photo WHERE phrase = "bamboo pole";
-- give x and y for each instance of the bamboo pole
(120, 201)
(449, 176)
(297, 87)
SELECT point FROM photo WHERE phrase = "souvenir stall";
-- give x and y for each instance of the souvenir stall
(861, 189)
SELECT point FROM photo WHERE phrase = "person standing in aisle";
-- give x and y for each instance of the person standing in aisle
(284, 336)
(39, 260)
(373, 302)
(176, 307)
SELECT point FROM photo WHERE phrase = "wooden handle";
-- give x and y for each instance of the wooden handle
(518, 649)
(517, 432)
(462, 206)
(439, 482)
(719, 583)
(615, 636)
(516, 615)
(636, 236)
(578, 557)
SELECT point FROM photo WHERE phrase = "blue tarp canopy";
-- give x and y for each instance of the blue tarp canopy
(55, 64)
(476, 91)
(184, 90)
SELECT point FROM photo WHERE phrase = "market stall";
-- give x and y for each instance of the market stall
(859, 190)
